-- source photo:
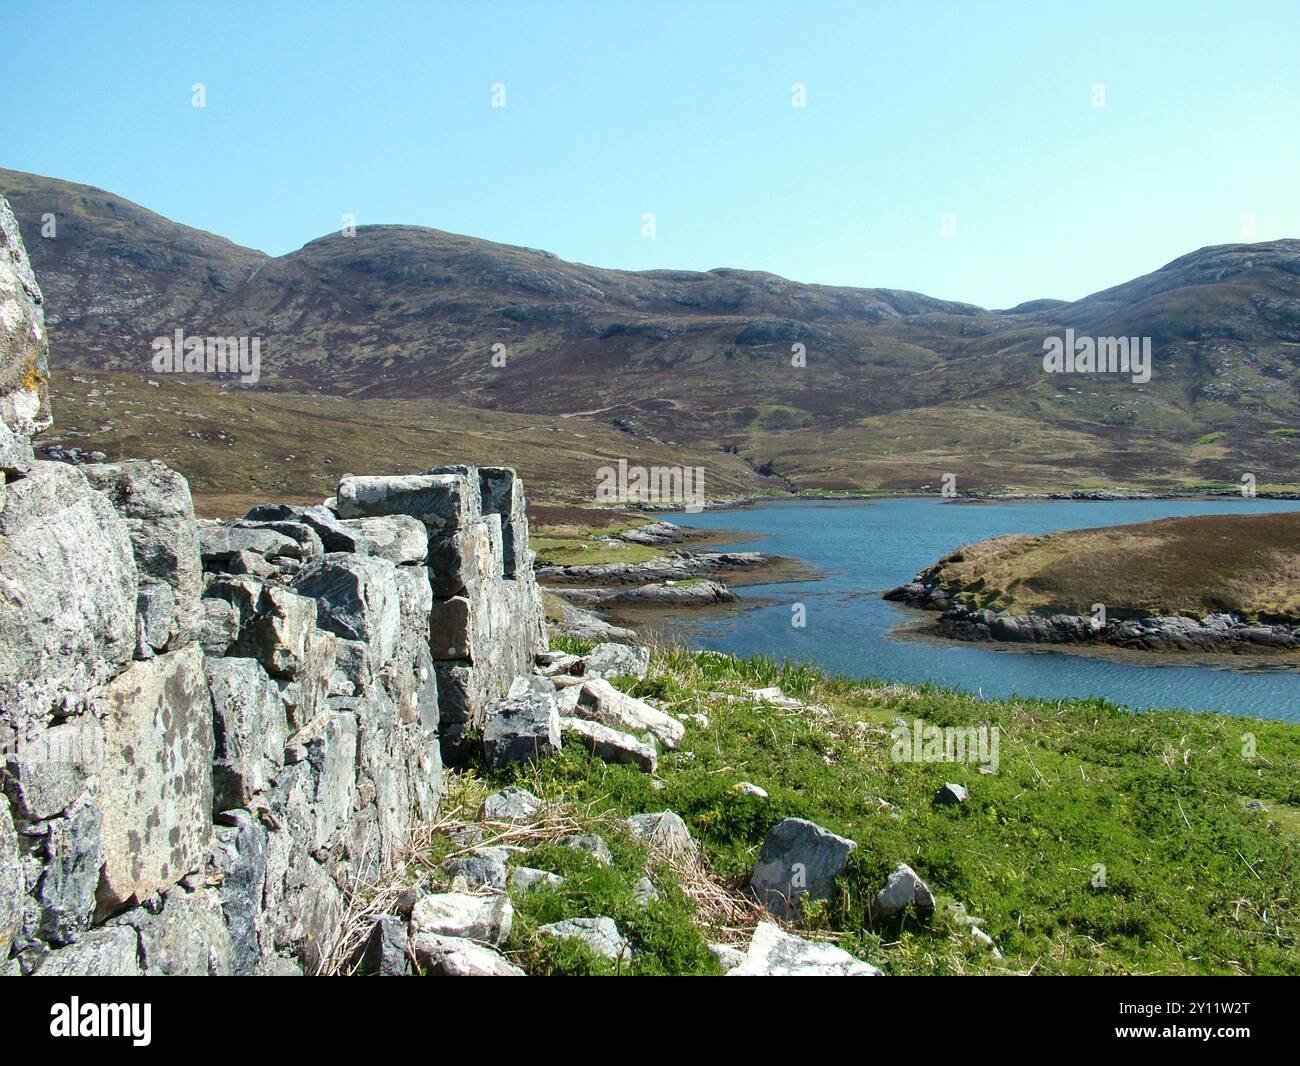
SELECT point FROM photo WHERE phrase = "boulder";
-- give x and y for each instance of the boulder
(776, 953)
(609, 744)
(357, 598)
(527, 878)
(448, 956)
(249, 731)
(600, 935)
(479, 870)
(612, 660)
(154, 503)
(68, 560)
(904, 889)
(592, 844)
(219, 543)
(156, 785)
(69, 874)
(799, 858)
(483, 918)
(511, 804)
(599, 701)
(523, 729)
(239, 856)
(397, 538)
(441, 501)
(385, 952)
(186, 938)
(451, 629)
(664, 832)
(335, 535)
(950, 794)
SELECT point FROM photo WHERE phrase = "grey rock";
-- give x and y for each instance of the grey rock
(397, 538)
(527, 878)
(68, 560)
(950, 793)
(775, 953)
(665, 832)
(112, 951)
(448, 956)
(728, 957)
(278, 966)
(523, 729)
(609, 744)
(186, 938)
(530, 683)
(335, 535)
(511, 804)
(592, 844)
(799, 858)
(478, 870)
(239, 854)
(904, 889)
(599, 701)
(65, 892)
(357, 598)
(249, 731)
(385, 952)
(218, 625)
(645, 892)
(483, 918)
(156, 785)
(11, 880)
(610, 660)
(441, 501)
(218, 543)
(601, 935)
(46, 770)
(155, 504)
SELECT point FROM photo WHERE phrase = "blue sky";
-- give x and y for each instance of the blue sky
(978, 110)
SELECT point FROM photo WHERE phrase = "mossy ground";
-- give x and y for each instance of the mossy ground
(1193, 883)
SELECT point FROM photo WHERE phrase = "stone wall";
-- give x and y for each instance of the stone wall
(212, 731)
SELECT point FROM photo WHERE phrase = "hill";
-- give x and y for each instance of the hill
(899, 388)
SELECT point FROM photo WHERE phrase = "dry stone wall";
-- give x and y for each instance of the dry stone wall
(212, 731)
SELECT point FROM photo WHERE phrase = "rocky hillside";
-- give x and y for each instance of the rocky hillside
(898, 388)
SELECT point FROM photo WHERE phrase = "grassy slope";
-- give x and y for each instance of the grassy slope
(239, 447)
(1192, 566)
(1195, 884)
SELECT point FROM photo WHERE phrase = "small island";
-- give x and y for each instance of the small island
(1210, 583)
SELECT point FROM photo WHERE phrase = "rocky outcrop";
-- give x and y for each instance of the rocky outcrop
(1214, 633)
(678, 567)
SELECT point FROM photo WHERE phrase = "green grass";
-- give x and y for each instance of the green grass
(1194, 883)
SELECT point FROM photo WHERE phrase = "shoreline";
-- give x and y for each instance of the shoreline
(1221, 636)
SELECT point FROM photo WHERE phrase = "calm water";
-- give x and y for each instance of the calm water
(865, 547)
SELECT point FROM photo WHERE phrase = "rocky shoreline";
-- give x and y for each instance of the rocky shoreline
(1215, 633)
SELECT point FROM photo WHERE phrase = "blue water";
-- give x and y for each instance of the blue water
(865, 547)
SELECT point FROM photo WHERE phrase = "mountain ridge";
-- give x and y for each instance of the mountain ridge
(898, 387)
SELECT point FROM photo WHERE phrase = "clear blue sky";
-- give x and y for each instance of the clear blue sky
(914, 110)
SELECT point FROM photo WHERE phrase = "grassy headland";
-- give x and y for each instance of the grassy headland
(1245, 564)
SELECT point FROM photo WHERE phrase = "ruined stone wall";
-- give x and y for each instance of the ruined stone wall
(212, 731)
